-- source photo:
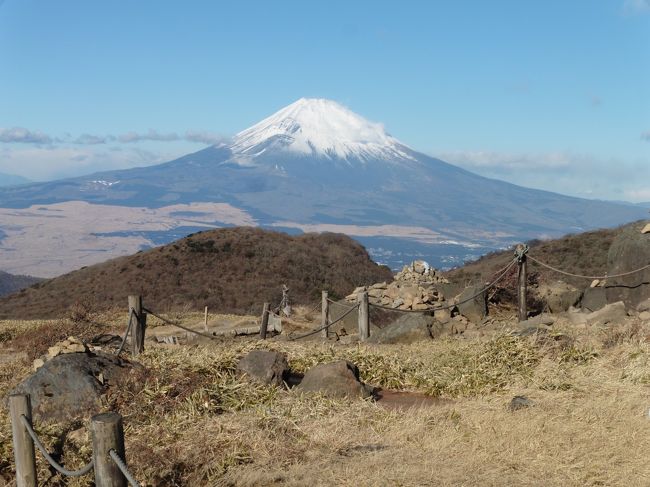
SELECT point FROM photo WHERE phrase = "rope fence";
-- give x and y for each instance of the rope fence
(107, 435)
(123, 468)
(178, 325)
(313, 332)
(57, 466)
(570, 274)
(128, 330)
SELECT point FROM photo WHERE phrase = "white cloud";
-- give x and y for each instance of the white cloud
(46, 163)
(581, 175)
(20, 135)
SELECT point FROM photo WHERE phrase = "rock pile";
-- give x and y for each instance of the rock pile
(414, 288)
(70, 345)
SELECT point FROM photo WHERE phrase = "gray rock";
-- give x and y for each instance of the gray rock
(476, 309)
(643, 306)
(535, 325)
(612, 313)
(559, 296)
(408, 328)
(594, 298)
(70, 386)
(520, 402)
(265, 367)
(336, 379)
(629, 251)
(538, 320)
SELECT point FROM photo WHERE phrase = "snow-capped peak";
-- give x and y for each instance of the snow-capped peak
(315, 126)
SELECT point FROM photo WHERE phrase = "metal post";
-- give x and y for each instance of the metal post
(521, 280)
(265, 321)
(324, 315)
(364, 318)
(24, 456)
(137, 338)
(108, 434)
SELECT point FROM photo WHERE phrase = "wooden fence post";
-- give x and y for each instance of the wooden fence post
(205, 320)
(107, 434)
(325, 314)
(521, 281)
(137, 336)
(265, 321)
(25, 458)
(364, 318)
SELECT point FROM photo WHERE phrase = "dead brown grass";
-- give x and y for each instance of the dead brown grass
(191, 421)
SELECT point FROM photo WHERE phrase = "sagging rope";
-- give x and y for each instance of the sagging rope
(123, 468)
(57, 466)
(128, 329)
(453, 305)
(313, 332)
(178, 325)
(340, 304)
(587, 277)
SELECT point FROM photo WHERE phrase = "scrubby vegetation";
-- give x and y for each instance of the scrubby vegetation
(231, 270)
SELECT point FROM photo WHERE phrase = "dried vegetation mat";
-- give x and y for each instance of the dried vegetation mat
(189, 420)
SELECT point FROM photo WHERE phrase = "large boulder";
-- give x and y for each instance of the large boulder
(70, 386)
(265, 367)
(408, 328)
(336, 379)
(630, 250)
(559, 296)
(475, 309)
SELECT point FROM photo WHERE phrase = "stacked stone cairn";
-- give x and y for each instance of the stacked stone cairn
(414, 288)
(71, 345)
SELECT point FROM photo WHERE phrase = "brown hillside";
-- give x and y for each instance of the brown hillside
(583, 253)
(231, 270)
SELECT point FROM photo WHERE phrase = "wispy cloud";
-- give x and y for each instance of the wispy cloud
(582, 175)
(636, 6)
(646, 135)
(20, 135)
(150, 135)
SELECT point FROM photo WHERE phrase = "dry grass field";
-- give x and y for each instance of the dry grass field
(189, 420)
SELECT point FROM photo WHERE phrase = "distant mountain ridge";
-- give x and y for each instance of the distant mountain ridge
(317, 165)
(12, 179)
(10, 283)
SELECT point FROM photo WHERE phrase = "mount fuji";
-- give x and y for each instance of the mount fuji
(312, 166)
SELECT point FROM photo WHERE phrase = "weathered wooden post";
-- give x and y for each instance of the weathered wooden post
(107, 434)
(324, 315)
(265, 321)
(520, 252)
(205, 320)
(364, 317)
(25, 458)
(137, 336)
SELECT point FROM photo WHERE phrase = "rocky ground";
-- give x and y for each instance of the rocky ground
(552, 401)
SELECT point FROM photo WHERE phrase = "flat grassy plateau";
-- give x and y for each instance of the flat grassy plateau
(190, 420)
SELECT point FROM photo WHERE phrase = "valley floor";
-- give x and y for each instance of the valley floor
(190, 420)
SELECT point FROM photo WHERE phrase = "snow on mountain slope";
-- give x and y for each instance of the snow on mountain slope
(319, 127)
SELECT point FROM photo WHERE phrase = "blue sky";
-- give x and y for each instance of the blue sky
(551, 94)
